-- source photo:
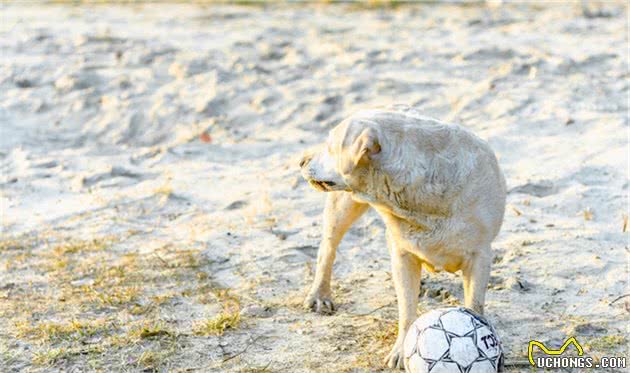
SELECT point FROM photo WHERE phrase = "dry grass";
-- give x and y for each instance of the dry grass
(95, 306)
(50, 356)
(63, 330)
(229, 318)
(150, 329)
(22, 242)
(588, 214)
(606, 343)
(73, 247)
(153, 359)
(374, 341)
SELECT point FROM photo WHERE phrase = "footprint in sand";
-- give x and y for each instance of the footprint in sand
(542, 188)
(116, 176)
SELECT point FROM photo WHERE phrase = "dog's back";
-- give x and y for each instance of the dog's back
(437, 169)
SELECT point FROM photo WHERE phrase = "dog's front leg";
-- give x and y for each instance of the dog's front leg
(476, 274)
(339, 214)
(406, 270)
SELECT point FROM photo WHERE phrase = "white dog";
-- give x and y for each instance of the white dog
(437, 186)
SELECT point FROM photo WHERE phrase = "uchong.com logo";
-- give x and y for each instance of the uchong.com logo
(554, 359)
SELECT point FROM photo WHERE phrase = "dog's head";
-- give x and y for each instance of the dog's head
(343, 161)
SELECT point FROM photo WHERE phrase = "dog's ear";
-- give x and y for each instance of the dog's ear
(364, 147)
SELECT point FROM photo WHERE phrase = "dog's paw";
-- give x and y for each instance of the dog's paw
(319, 303)
(395, 359)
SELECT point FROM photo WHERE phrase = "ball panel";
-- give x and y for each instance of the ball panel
(417, 365)
(431, 318)
(432, 344)
(411, 341)
(463, 351)
(445, 367)
(488, 342)
(457, 322)
(484, 366)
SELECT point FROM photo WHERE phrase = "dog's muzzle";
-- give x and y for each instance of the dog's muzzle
(305, 160)
(321, 185)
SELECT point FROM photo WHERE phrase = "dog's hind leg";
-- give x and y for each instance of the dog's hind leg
(339, 214)
(476, 275)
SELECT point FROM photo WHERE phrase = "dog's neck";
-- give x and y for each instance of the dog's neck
(422, 221)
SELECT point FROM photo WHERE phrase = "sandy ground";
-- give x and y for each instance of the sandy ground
(153, 216)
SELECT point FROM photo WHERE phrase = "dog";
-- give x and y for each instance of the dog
(438, 188)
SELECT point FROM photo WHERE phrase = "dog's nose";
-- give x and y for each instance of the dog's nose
(305, 160)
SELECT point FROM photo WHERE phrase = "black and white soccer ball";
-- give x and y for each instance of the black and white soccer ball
(452, 340)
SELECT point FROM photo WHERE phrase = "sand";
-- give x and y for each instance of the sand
(150, 178)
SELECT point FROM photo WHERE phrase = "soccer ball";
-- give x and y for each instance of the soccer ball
(452, 340)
